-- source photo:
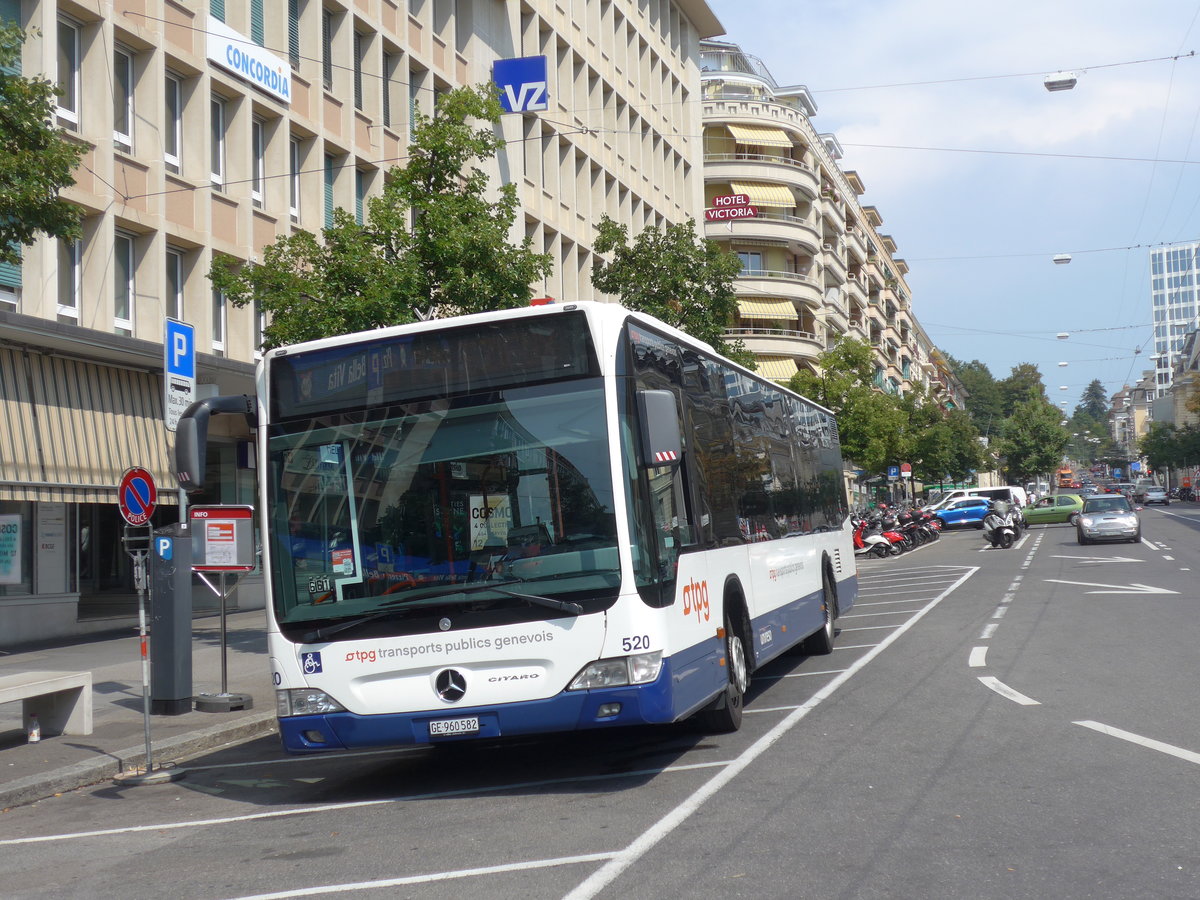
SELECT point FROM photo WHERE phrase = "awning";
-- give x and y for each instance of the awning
(764, 194)
(759, 135)
(69, 428)
(777, 368)
(766, 308)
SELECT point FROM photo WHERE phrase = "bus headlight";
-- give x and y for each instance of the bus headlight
(640, 669)
(305, 702)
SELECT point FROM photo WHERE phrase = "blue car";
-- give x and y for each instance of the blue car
(968, 511)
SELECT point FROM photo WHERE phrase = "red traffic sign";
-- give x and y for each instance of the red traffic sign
(905, 470)
(137, 496)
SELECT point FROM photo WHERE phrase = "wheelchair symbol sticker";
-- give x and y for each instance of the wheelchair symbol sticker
(312, 662)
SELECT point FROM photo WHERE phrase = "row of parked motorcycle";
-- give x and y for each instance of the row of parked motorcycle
(889, 531)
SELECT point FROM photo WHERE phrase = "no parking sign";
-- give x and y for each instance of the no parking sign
(137, 496)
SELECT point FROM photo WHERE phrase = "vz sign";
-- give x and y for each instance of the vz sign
(522, 83)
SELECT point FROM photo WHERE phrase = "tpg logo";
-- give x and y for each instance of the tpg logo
(695, 599)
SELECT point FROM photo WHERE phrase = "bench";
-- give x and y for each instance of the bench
(62, 700)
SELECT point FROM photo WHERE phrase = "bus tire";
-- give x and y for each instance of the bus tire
(821, 643)
(724, 715)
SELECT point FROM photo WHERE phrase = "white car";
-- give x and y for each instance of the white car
(1155, 495)
(1108, 518)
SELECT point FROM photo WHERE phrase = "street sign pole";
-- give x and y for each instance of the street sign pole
(136, 499)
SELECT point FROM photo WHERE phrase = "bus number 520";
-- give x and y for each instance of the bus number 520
(637, 642)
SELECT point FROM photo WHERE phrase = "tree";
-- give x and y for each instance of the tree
(1023, 382)
(1161, 446)
(983, 394)
(433, 244)
(871, 423)
(1033, 439)
(1094, 401)
(672, 275)
(948, 450)
(36, 159)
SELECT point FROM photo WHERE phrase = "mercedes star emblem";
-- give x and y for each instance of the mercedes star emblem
(451, 685)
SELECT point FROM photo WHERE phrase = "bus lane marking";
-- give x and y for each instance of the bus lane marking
(652, 836)
(1150, 743)
(361, 804)
(1006, 692)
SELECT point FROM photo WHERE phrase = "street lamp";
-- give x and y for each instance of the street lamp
(1061, 259)
(1060, 81)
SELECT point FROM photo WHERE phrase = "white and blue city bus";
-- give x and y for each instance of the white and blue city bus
(563, 517)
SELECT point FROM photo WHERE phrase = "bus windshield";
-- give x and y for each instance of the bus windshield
(472, 504)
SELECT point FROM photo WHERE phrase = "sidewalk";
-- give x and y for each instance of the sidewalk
(30, 772)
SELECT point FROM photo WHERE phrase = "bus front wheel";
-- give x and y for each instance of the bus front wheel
(725, 713)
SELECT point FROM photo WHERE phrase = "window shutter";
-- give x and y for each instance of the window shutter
(294, 33)
(216, 8)
(10, 274)
(329, 191)
(258, 32)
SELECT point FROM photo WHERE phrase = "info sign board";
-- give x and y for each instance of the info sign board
(222, 538)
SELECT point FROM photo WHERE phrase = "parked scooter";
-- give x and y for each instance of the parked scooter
(869, 544)
(999, 526)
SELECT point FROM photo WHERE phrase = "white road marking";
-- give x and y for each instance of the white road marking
(1169, 749)
(1149, 544)
(988, 631)
(1171, 558)
(434, 876)
(1006, 692)
(978, 657)
(870, 615)
(650, 838)
(357, 804)
(1134, 588)
(889, 602)
(1000, 611)
(1098, 559)
(868, 628)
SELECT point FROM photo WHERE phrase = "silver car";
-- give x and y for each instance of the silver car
(1156, 495)
(1108, 518)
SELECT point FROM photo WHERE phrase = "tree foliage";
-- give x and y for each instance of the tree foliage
(1094, 401)
(436, 243)
(1034, 440)
(1167, 447)
(983, 401)
(877, 429)
(672, 274)
(36, 159)
(1024, 382)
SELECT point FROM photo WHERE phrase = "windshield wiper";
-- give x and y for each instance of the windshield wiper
(327, 631)
(565, 605)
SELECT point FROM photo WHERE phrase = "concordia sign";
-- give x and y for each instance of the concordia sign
(240, 55)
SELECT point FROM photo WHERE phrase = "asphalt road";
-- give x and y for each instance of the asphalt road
(992, 724)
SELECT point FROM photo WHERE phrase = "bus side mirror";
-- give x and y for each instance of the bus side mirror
(191, 435)
(662, 444)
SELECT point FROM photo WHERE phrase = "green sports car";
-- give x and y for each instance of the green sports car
(1055, 508)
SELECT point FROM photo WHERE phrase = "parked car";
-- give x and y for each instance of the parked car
(964, 511)
(1108, 518)
(1058, 508)
(1155, 495)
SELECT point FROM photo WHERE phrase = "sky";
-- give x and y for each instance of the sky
(979, 230)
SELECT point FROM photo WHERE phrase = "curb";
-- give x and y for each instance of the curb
(70, 778)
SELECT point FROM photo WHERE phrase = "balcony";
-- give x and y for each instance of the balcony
(800, 235)
(778, 341)
(745, 166)
(771, 283)
(835, 264)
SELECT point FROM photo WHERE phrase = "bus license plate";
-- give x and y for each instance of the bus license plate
(454, 726)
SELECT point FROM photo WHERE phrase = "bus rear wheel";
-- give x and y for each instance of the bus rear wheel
(821, 643)
(725, 713)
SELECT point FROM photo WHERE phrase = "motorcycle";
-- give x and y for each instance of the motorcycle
(1000, 528)
(865, 544)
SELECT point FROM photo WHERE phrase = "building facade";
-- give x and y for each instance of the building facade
(220, 127)
(1175, 306)
(815, 266)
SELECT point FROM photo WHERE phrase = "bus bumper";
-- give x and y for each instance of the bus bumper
(568, 711)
